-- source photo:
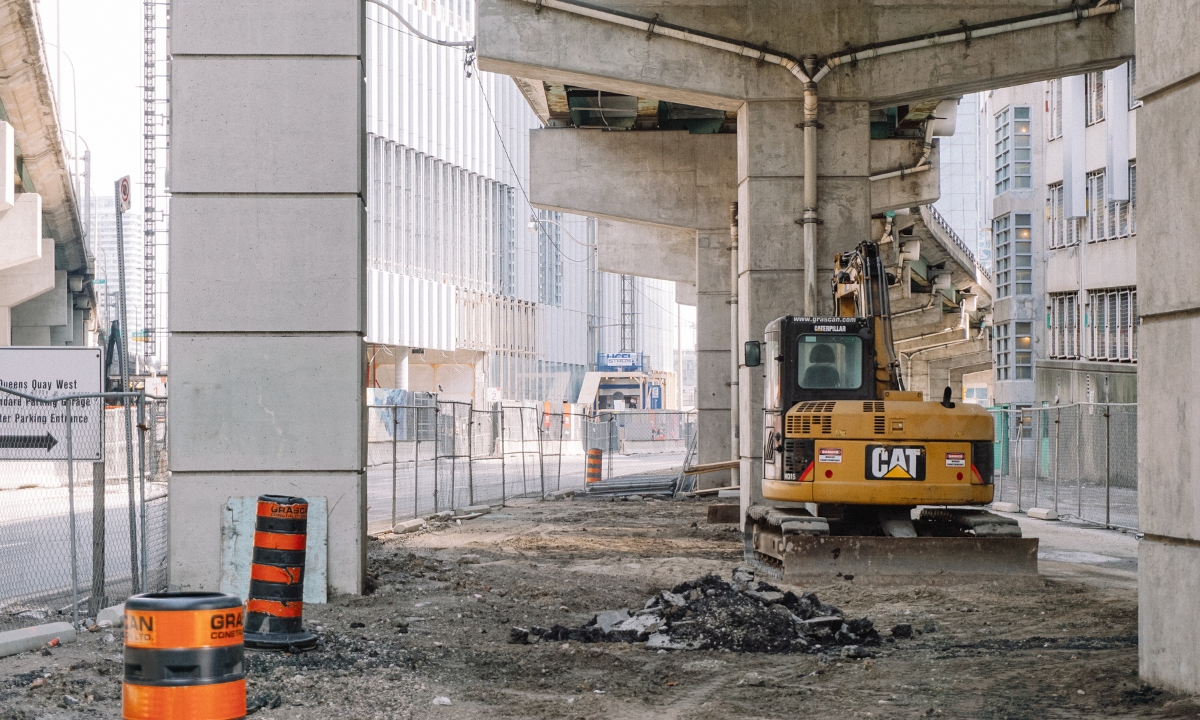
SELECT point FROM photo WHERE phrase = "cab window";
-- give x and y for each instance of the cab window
(830, 362)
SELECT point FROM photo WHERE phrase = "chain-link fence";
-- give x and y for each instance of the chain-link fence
(83, 504)
(428, 456)
(1080, 460)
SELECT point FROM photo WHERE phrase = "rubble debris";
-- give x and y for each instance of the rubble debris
(708, 613)
(903, 631)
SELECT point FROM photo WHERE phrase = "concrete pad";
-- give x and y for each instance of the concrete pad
(724, 513)
(1041, 513)
(729, 493)
(32, 638)
(1006, 507)
(111, 616)
(409, 526)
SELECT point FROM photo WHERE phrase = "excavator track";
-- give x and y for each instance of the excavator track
(953, 546)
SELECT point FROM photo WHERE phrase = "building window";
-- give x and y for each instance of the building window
(1114, 322)
(1003, 355)
(1023, 340)
(1134, 102)
(1063, 231)
(1131, 210)
(1064, 325)
(1013, 149)
(1023, 253)
(1093, 84)
(1110, 219)
(1003, 234)
(1054, 108)
(550, 258)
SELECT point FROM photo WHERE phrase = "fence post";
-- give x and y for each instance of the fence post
(453, 452)
(1107, 464)
(503, 473)
(436, 410)
(562, 421)
(541, 433)
(97, 600)
(134, 583)
(1057, 434)
(524, 474)
(395, 429)
(1035, 428)
(416, 463)
(471, 455)
(71, 510)
(142, 485)
(1020, 458)
(1079, 460)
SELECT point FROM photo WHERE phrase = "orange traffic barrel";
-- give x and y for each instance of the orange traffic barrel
(183, 657)
(275, 607)
(595, 460)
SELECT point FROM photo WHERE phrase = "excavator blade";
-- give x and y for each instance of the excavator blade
(892, 560)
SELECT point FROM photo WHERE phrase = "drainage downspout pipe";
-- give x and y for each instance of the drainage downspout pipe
(810, 218)
(967, 34)
(735, 355)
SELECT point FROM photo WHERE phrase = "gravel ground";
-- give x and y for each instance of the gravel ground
(436, 630)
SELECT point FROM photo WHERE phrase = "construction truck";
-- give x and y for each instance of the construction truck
(849, 456)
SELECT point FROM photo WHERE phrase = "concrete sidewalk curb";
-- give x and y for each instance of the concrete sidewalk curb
(32, 638)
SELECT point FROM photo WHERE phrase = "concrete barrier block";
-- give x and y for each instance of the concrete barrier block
(113, 616)
(472, 510)
(32, 638)
(1041, 513)
(1005, 507)
(408, 526)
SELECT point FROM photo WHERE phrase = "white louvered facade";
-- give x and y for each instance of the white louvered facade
(452, 263)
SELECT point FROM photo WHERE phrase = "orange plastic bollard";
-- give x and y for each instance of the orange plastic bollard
(183, 657)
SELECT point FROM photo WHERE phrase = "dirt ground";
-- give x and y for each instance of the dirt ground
(435, 627)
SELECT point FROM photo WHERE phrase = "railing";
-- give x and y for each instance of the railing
(83, 521)
(949, 231)
(1079, 460)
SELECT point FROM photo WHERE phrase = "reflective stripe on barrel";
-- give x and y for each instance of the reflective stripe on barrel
(276, 601)
(184, 658)
(594, 464)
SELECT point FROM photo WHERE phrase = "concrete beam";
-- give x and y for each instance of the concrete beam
(654, 251)
(28, 99)
(664, 178)
(26, 281)
(48, 309)
(21, 231)
(515, 38)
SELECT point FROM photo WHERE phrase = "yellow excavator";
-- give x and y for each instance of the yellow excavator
(860, 477)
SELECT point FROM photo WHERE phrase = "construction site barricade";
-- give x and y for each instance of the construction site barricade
(595, 462)
(275, 606)
(183, 657)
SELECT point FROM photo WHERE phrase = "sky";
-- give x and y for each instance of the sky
(103, 40)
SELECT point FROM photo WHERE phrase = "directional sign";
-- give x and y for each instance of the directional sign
(32, 430)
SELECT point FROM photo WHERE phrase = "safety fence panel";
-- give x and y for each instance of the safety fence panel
(425, 459)
(83, 522)
(1080, 460)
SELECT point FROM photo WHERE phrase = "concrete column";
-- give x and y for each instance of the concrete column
(267, 272)
(770, 240)
(712, 352)
(402, 354)
(1168, 68)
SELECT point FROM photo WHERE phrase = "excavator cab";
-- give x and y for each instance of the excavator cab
(858, 474)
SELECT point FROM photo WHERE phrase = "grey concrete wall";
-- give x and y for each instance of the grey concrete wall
(47, 309)
(713, 337)
(1067, 381)
(1168, 141)
(770, 241)
(267, 272)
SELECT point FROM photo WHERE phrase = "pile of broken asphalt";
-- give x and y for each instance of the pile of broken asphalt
(744, 615)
